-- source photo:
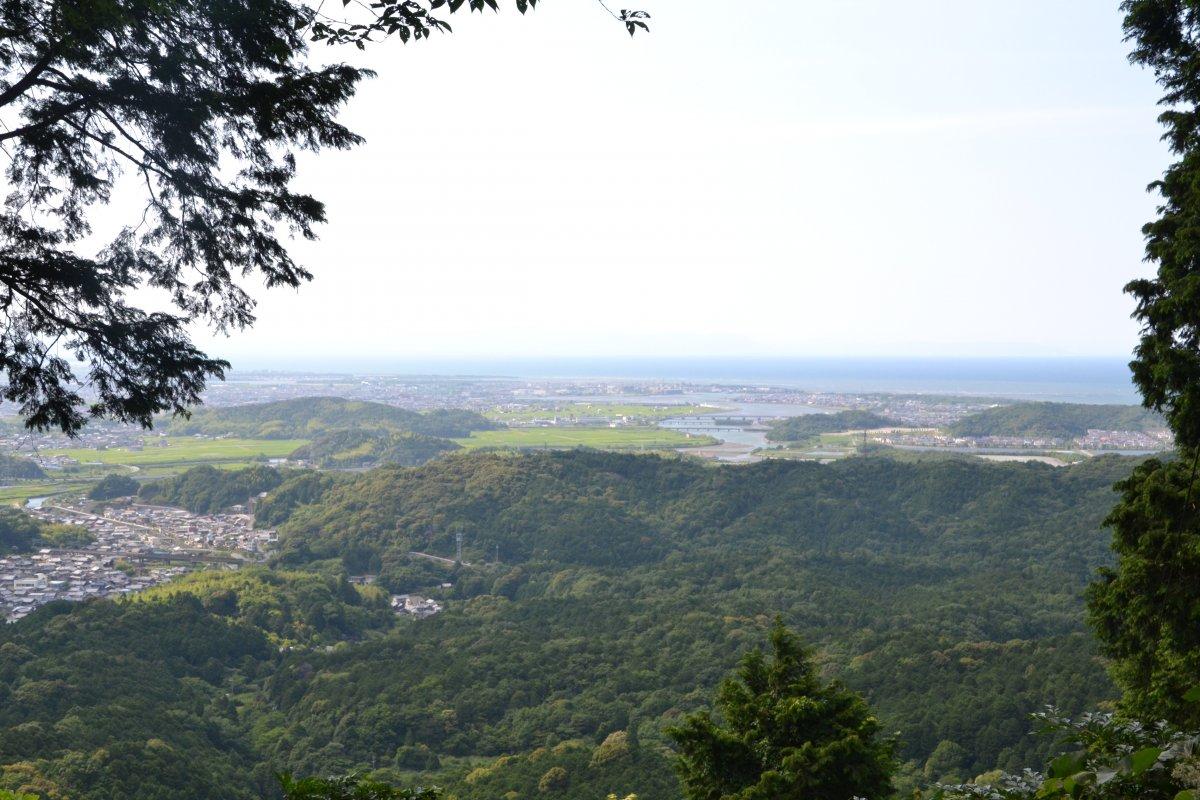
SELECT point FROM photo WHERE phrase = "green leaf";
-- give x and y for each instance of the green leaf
(1143, 759)
(1076, 784)
(1049, 788)
(1068, 764)
(1192, 695)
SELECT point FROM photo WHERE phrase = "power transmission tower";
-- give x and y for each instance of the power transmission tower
(458, 537)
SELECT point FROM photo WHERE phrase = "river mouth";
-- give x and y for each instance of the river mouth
(707, 426)
(737, 441)
(740, 427)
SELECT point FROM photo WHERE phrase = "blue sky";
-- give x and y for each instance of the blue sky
(798, 179)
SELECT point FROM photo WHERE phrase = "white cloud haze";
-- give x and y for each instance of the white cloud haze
(806, 178)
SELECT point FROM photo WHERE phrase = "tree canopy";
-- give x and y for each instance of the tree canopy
(413, 20)
(204, 105)
(1166, 38)
(1060, 420)
(304, 417)
(1145, 609)
(208, 490)
(348, 788)
(112, 486)
(808, 425)
(627, 588)
(783, 733)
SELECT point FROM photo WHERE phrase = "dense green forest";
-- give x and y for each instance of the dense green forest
(129, 700)
(112, 486)
(292, 608)
(795, 429)
(305, 417)
(372, 447)
(604, 622)
(16, 468)
(626, 588)
(1057, 420)
(207, 490)
(20, 533)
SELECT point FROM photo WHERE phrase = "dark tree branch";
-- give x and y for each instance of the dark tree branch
(207, 102)
(34, 127)
(19, 88)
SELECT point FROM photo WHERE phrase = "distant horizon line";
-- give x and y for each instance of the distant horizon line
(486, 365)
(431, 359)
(1092, 379)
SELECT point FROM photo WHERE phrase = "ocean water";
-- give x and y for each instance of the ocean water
(1067, 380)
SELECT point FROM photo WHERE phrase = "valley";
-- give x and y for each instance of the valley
(596, 593)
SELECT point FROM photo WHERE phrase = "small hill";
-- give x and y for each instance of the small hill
(305, 417)
(207, 490)
(366, 448)
(1056, 420)
(21, 533)
(795, 429)
(15, 468)
(289, 606)
(113, 486)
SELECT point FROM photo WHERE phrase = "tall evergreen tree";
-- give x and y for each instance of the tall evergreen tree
(783, 733)
(1147, 610)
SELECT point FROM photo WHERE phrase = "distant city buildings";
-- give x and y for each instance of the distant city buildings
(1094, 441)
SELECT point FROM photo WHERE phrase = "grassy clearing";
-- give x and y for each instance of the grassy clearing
(185, 450)
(600, 438)
(77, 480)
(18, 494)
(810, 454)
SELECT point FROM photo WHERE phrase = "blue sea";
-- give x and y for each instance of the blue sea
(1066, 380)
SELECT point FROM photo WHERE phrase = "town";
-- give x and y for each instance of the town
(133, 547)
(1093, 442)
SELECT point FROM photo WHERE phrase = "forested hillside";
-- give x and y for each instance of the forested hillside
(896, 563)
(305, 417)
(1058, 420)
(20, 533)
(130, 700)
(207, 490)
(366, 447)
(16, 468)
(626, 588)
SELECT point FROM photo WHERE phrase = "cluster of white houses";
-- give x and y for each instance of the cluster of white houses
(128, 538)
(1093, 441)
(415, 605)
(163, 528)
(1126, 440)
(31, 580)
(135, 547)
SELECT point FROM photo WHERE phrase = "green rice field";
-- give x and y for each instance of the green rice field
(184, 450)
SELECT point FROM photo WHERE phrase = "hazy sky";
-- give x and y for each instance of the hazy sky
(867, 177)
